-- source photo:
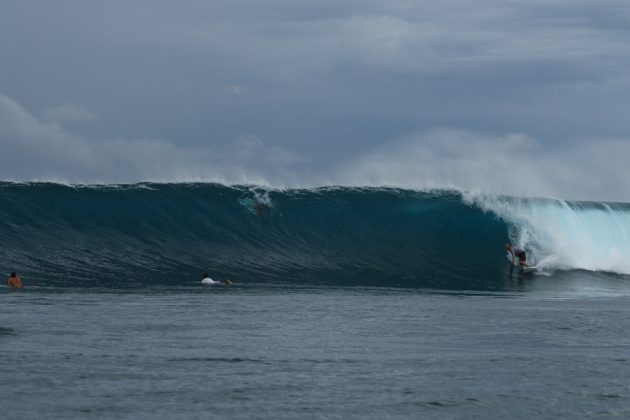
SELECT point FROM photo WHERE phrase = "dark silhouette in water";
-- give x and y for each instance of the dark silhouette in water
(14, 281)
(260, 207)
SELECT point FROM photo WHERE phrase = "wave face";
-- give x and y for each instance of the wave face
(172, 233)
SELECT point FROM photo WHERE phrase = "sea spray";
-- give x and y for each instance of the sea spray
(565, 235)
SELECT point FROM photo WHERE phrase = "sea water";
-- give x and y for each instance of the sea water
(346, 303)
(315, 352)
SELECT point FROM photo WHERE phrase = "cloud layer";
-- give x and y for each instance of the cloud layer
(35, 150)
(69, 114)
(513, 164)
(415, 93)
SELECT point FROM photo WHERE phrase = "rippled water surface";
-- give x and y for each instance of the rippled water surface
(311, 352)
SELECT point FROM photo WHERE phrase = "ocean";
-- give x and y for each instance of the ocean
(346, 303)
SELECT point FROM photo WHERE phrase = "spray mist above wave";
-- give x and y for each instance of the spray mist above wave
(456, 158)
(565, 235)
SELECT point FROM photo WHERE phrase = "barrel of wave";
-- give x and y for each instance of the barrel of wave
(565, 235)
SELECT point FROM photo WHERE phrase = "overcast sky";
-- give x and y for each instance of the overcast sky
(523, 97)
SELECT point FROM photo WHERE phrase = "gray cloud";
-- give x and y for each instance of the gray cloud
(69, 114)
(513, 163)
(328, 80)
(35, 150)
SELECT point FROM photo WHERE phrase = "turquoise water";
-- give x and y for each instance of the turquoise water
(148, 234)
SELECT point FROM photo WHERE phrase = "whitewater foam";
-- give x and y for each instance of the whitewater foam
(565, 235)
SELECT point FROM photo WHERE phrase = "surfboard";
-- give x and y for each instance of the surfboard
(528, 269)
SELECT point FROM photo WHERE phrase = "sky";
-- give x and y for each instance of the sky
(500, 96)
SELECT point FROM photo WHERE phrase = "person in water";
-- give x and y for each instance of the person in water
(207, 280)
(517, 253)
(14, 281)
(260, 208)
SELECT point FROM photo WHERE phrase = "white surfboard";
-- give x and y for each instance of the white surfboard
(527, 269)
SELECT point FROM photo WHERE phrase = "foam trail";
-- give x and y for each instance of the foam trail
(565, 235)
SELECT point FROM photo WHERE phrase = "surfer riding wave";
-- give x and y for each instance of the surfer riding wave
(517, 253)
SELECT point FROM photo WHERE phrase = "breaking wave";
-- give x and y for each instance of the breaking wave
(148, 233)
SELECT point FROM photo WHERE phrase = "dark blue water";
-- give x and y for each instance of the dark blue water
(347, 303)
(170, 233)
(316, 352)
